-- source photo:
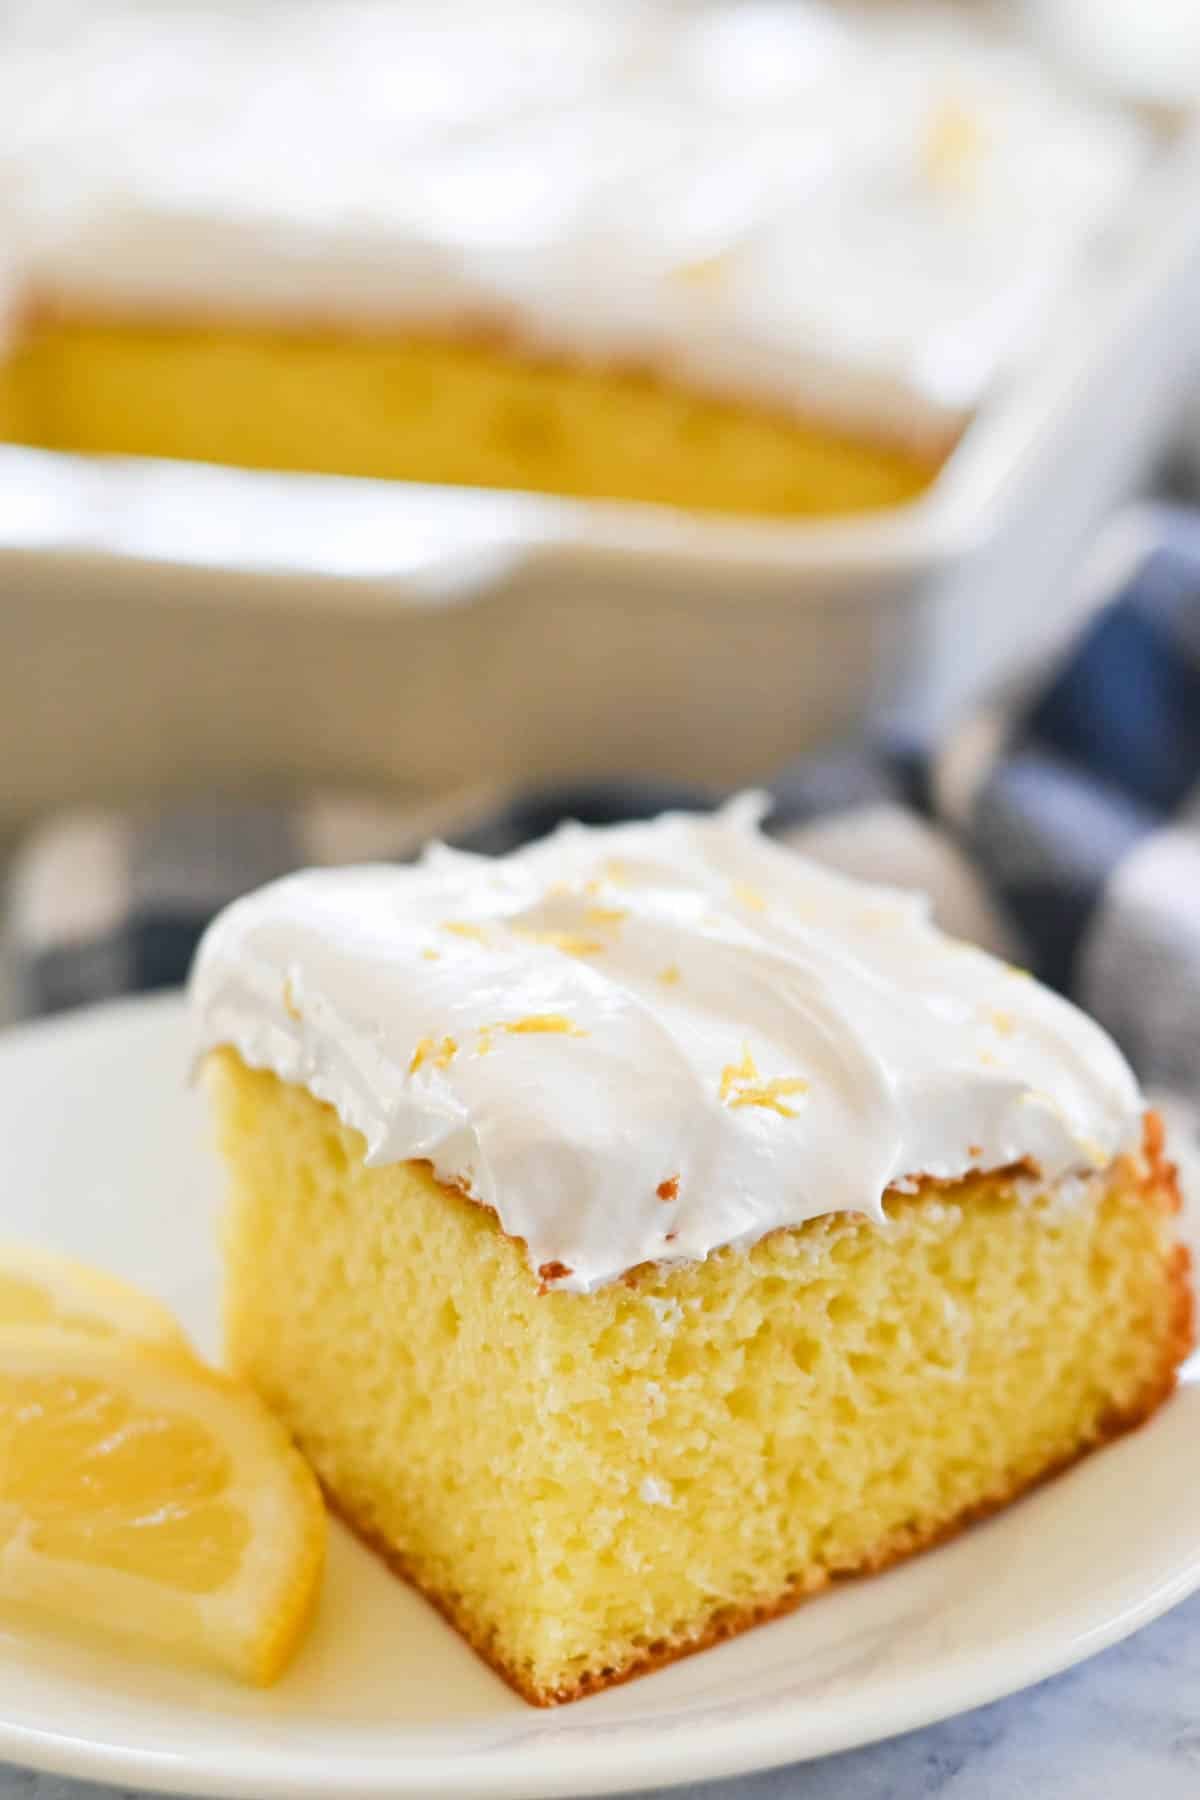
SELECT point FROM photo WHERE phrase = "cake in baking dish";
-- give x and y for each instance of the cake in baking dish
(642, 1230)
(760, 259)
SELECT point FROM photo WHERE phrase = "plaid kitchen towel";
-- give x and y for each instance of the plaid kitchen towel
(1058, 824)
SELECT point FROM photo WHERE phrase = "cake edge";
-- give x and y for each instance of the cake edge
(921, 448)
(1160, 1184)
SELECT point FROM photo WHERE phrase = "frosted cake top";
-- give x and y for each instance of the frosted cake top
(642, 1042)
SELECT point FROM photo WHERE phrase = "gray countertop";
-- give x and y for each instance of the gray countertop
(1125, 1726)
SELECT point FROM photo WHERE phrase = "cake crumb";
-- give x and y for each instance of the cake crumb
(668, 1190)
(291, 1005)
(462, 928)
(669, 976)
(667, 1309)
(553, 1271)
(656, 1493)
(431, 955)
(1004, 1023)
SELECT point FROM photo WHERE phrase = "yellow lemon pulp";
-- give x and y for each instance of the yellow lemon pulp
(144, 1494)
(39, 1287)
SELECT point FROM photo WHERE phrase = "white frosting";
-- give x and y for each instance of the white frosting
(862, 214)
(644, 1042)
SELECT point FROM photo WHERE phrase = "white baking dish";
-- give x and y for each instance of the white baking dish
(165, 624)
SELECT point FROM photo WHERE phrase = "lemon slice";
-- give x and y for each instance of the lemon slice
(145, 1494)
(38, 1287)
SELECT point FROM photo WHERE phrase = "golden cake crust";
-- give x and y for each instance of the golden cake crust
(1160, 1188)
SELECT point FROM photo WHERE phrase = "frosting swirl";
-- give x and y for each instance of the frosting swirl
(642, 1042)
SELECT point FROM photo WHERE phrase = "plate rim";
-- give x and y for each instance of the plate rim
(636, 1758)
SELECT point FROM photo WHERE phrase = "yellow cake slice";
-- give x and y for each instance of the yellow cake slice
(639, 1232)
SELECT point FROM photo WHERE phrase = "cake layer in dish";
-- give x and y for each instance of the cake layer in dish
(646, 1041)
(804, 240)
(436, 410)
(589, 1485)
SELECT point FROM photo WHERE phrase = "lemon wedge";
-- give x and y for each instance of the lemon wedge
(38, 1287)
(144, 1494)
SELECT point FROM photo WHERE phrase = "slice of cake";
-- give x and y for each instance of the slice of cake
(641, 1230)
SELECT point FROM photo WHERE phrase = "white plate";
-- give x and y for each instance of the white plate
(102, 1152)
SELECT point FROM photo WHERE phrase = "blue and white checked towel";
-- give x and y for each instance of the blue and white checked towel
(1059, 824)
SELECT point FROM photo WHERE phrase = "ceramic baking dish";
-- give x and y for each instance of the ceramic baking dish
(170, 623)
